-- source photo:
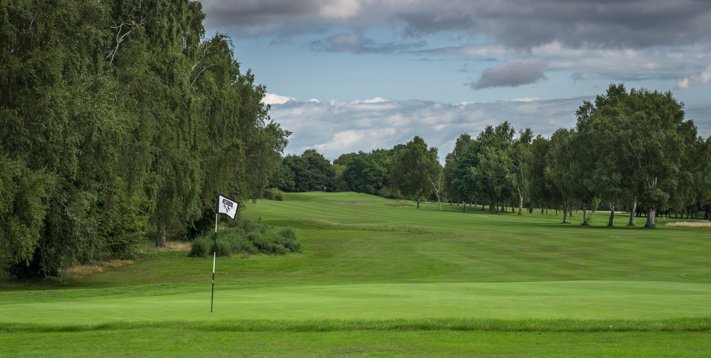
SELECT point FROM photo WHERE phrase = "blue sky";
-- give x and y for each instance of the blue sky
(350, 75)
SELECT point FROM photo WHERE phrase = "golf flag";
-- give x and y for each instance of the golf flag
(227, 206)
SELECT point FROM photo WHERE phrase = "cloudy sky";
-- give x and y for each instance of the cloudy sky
(350, 75)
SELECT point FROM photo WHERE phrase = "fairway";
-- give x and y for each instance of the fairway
(373, 268)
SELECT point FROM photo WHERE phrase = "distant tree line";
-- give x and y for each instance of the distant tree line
(118, 119)
(630, 150)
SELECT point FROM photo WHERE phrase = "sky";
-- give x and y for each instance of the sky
(357, 75)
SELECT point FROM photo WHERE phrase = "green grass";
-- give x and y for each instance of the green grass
(379, 277)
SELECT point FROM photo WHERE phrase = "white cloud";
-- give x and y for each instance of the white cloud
(271, 98)
(338, 127)
(699, 79)
(340, 9)
(375, 100)
(484, 50)
(366, 140)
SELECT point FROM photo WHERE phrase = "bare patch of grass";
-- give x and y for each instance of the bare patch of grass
(177, 246)
(80, 271)
(697, 224)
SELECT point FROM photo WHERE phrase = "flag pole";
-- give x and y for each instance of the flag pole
(214, 258)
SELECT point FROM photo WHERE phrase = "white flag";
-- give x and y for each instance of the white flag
(227, 206)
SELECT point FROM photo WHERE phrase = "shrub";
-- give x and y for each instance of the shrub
(223, 247)
(273, 194)
(201, 247)
(248, 237)
(287, 238)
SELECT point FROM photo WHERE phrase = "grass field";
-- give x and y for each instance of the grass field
(379, 277)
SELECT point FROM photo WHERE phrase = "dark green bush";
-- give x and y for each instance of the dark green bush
(287, 238)
(273, 194)
(202, 246)
(248, 237)
(224, 247)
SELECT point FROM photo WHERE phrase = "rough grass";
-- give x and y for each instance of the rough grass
(80, 271)
(491, 325)
(696, 224)
(379, 277)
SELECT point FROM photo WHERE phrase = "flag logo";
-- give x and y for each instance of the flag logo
(227, 206)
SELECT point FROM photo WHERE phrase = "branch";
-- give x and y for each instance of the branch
(132, 25)
(207, 51)
(200, 73)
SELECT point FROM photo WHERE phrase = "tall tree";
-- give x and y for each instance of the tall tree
(459, 179)
(414, 169)
(658, 137)
(494, 169)
(521, 157)
(311, 172)
(118, 114)
(559, 172)
(363, 174)
(541, 189)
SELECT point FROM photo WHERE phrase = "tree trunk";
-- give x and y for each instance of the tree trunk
(418, 202)
(651, 219)
(160, 235)
(542, 210)
(464, 207)
(585, 216)
(565, 213)
(632, 212)
(611, 222)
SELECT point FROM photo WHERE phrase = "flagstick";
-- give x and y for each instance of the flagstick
(214, 258)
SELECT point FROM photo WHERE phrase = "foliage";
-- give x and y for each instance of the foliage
(273, 194)
(363, 173)
(247, 238)
(628, 148)
(310, 171)
(116, 117)
(415, 169)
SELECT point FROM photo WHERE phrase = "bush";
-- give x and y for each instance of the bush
(273, 194)
(248, 237)
(223, 247)
(201, 247)
(287, 238)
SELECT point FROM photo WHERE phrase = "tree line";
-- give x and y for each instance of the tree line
(119, 119)
(630, 150)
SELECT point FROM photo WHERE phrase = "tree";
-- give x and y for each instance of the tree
(583, 145)
(120, 116)
(363, 174)
(458, 178)
(494, 170)
(658, 137)
(521, 157)
(311, 172)
(414, 169)
(704, 178)
(559, 173)
(541, 191)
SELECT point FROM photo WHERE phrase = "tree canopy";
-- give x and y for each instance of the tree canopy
(119, 119)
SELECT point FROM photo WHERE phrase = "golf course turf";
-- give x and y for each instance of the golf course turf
(380, 277)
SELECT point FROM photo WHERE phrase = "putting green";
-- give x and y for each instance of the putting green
(516, 301)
